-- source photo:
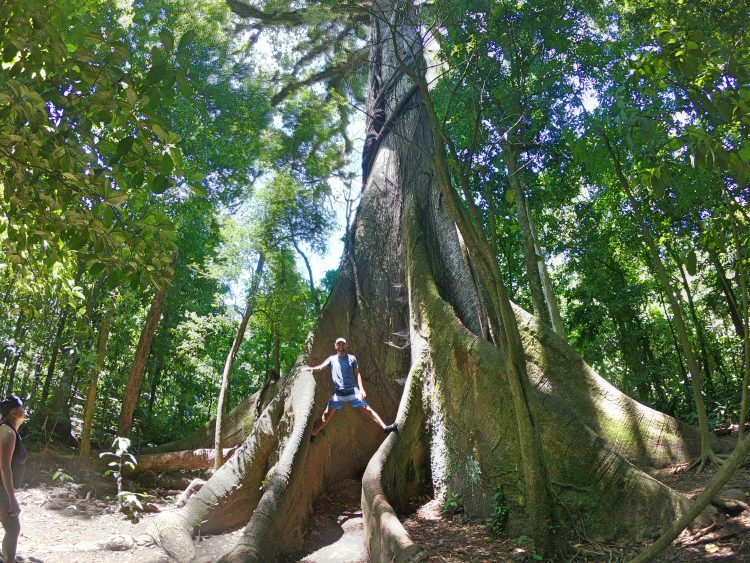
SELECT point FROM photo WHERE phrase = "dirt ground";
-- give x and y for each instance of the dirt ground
(58, 524)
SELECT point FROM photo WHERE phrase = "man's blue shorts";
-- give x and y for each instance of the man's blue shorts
(349, 395)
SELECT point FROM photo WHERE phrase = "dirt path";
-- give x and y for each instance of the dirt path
(335, 532)
(57, 527)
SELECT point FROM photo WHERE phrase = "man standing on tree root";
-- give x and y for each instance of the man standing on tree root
(346, 389)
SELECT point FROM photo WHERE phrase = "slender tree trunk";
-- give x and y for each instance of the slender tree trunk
(676, 343)
(226, 374)
(549, 293)
(533, 271)
(726, 288)
(11, 352)
(137, 369)
(56, 342)
(101, 354)
(276, 350)
(745, 315)
(700, 333)
(154, 377)
(650, 360)
(58, 413)
(707, 453)
(12, 374)
(35, 377)
(311, 281)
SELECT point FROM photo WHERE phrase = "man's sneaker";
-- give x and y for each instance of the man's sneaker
(390, 428)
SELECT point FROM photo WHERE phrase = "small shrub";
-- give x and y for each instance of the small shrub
(499, 517)
(451, 504)
(61, 475)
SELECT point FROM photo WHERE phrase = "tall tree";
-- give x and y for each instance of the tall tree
(138, 367)
(404, 237)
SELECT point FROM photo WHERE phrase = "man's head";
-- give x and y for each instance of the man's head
(340, 346)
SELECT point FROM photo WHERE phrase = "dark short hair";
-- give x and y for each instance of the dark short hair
(9, 403)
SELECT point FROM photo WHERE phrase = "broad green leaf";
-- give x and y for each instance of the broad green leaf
(186, 40)
(159, 184)
(124, 146)
(167, 40)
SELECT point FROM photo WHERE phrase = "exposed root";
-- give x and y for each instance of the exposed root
(258, 541)
(386, 538)
(730, 506)
(173, 534)
(220, 504)
(120, 542)
(194, 486)
(705, 460)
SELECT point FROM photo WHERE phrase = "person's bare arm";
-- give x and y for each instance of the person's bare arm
(320, 367)
(359, 382)
(7, 447)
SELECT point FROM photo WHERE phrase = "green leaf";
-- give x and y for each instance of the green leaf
(691, 263)
(198, 190)
(167, 39)
(159, 184)
(124, 146)
(186, 40)
(509, 196)
(167, 165)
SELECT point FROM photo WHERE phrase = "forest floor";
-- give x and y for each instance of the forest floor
(58, 524)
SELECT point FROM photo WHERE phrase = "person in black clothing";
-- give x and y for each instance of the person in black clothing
(12, 469)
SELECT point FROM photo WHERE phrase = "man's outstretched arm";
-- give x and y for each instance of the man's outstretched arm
(317, 368)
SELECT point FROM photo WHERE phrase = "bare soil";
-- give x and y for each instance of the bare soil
(58, 524)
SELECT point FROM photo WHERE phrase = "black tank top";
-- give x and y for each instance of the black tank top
(18, 461)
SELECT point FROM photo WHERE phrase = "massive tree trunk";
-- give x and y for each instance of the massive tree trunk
(405, 267)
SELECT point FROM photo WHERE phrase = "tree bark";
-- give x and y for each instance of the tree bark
(699, 332)
(745, 314)
(726, 288)
(252, 295)
(55, 346)
(133, 387)
(311, 281)
(186, 460)
(533, 271)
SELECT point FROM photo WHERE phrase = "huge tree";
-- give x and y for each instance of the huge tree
(407, 270)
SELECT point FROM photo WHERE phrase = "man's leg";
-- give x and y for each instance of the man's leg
(324, 420)
(375, 417)
(372, 415)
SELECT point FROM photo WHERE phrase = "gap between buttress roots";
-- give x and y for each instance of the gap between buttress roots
(335, 530)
